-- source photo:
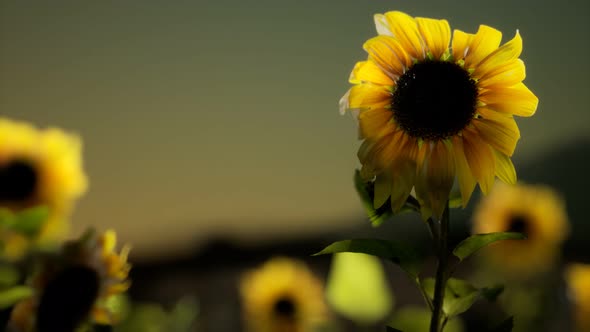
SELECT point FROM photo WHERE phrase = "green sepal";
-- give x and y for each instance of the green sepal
(475, 242)
(366, 191)
(403, 256)
(459, 295)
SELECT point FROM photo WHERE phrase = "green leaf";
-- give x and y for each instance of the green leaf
(491, 293)
(475, 242)
(391, 329)
(505, 326)
(399, 254)
(417, 319)
(30, 221)
(11, 296)
(366, 191)
(459, 295)
(357, 288)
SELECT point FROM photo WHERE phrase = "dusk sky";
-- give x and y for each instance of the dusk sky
(221, 117)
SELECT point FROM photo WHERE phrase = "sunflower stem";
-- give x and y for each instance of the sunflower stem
(441, 273)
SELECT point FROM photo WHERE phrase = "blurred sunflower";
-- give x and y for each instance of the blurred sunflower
(282, 295)
(577, 277)
(38, 168)
(536, 211)
(75, 286)
(432, 110)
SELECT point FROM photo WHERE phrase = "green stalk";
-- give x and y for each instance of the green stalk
(441, 273)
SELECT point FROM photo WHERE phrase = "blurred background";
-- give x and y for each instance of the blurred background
(211, 132)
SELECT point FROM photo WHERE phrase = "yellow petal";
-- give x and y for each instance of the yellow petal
(504, 168)
(392, 149)
(485, 41)
(376, 123)
(517, 100)
(499, 130)
(382, 189)
(405, 30)
(480, 158)
(368, 71)
(403, 170)
(389, 55)
(368, 96)
(509, 74)
(439, 177)
(436, 35)
(460, 44)
(379, 154)
(507, 52)
(464, 176)
(421, 186)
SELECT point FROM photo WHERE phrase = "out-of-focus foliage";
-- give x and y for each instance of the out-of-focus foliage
(357, 288)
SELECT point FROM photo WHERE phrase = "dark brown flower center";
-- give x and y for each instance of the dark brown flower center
(67, 299)
(434, 100)
(518, 223)
(18, 181)
(285, 307)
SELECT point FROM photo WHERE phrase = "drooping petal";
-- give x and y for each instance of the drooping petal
(461, 43)
(368, 96)
(395, 146)
(405, 30)
(499, 130)
(389, 55)
(485, 41)
(343, 103)
(480, 158)
(376, 123)
(509, 74)
(504, 168)
(507, 52)
(369, 72)
(464, 176)
(382, 25)
(436, 35)
(379, 154)
(517, 100)
(439, 176)
(382, 189)
(403, 170)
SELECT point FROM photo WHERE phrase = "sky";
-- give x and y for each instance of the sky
(205, 118)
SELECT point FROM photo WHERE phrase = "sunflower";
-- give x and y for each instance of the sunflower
(538, 212)
(75, 286)
(38, 168)
(282, 295)
(577, 277)
(432, 110)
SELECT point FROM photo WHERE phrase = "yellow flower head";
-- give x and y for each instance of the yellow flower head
(536, 211)
(577, 277)
(283, 295)
(38, 168)
(75, 286)
(433, 109)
